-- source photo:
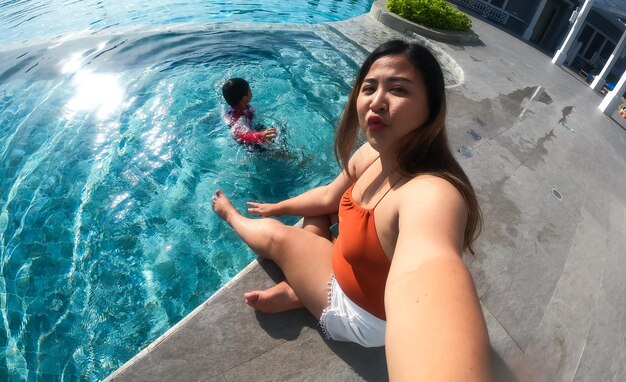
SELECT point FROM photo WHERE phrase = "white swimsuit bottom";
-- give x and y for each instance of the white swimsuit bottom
(345, 321)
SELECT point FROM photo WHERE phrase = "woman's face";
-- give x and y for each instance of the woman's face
(391, 103)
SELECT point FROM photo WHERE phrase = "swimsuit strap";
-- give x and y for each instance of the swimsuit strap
(386, 192)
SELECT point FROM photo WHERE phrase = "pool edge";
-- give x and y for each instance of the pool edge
(163, 337)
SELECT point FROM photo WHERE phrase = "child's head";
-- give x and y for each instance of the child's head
(237, 92)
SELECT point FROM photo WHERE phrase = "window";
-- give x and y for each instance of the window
(585, 34)
(607, 50)
(593, 48)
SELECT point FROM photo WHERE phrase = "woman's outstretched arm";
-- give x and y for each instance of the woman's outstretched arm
(321, 200)
(318, 201)
(435, 327)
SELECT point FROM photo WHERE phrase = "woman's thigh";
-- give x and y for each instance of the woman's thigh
(306, 260)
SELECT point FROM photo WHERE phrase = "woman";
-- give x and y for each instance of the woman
(406, 213)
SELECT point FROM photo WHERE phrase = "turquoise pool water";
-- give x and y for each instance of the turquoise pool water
(31, 19)
(111, 145)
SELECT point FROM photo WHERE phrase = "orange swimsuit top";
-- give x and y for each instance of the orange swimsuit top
(359, 261)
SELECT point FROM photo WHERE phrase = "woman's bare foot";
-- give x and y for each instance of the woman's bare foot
(276, 299)
(222, 206)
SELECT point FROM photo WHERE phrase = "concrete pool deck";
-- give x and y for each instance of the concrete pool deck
(549, 169)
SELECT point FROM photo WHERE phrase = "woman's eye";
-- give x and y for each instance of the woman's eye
(398, 90)
(368, 89)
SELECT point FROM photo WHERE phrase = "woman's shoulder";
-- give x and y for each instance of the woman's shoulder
(430, 179)
(362, 158)
(432, 207)
(433, 188)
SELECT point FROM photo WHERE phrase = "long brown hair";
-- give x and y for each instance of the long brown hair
(425, 150)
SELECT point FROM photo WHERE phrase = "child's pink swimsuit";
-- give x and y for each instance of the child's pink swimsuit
(240, 122)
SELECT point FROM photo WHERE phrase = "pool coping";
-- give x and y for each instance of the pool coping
(380, 13)
(253, 265)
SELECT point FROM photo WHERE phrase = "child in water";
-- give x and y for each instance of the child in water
(239, 116)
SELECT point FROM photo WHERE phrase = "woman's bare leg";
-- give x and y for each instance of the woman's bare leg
(304, 257)
(320, 225)
(279, 298)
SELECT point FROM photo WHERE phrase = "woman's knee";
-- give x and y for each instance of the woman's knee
(277, 240)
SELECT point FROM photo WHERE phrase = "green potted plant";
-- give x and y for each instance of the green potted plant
(436, 14)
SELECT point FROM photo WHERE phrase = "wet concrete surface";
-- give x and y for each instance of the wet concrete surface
(619, 119)
(549, 170)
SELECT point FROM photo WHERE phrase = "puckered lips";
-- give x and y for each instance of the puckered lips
(375, 123)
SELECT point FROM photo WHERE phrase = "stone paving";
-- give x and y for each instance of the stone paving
(549, 169)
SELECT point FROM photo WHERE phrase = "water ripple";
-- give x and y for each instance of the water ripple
(28, 20)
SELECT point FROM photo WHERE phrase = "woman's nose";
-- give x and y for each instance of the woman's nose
(379, 101)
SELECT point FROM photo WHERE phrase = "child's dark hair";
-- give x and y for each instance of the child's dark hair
(234, 90)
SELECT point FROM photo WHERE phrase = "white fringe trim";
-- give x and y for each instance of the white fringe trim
(325, 311)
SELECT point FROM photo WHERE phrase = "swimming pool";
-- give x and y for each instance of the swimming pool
(111, 145)
(31, 19)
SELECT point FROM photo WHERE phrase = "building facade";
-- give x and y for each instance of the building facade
(546, 23)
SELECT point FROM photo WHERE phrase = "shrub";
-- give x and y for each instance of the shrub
(431, 13)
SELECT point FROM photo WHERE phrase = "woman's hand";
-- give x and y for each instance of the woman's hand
(262, 209)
